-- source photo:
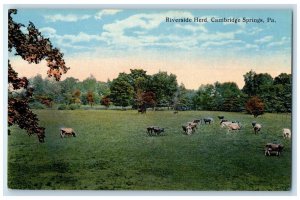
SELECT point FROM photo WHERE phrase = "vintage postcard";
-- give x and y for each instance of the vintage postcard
(150, 99)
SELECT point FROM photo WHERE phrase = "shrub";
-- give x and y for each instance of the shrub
(255, 106)
(62, 107)
(74, 106)
(37, 105)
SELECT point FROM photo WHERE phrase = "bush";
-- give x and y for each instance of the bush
(62, 107)
(37, 105)
(255, 106)
(74, 106)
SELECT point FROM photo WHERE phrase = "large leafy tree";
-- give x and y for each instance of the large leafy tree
(204, 98)
(228, 97)
(183, 98)
(165, 87)
(33, 48)
(121, 91)
(68, 87)
(254, 83)
(285, 80)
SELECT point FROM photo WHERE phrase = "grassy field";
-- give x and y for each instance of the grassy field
(113, 152)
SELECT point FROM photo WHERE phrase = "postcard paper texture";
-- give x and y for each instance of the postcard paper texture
(151, 99)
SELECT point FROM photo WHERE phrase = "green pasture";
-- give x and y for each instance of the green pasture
(112, 151)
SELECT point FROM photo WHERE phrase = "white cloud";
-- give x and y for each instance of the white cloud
(198, 27)
(66, 18)
(281, 42)
(115, 33)
(48, 31)
(102, 13)
(254, 31)
(265, 39)
(216, 36)
(143, 21)
(80, 37)
(221, 43)
(251, 46)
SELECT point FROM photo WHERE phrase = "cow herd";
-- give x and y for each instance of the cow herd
(190, 127)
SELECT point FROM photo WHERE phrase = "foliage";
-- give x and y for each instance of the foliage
(90, 98)
(121, 91)
(74, 106)
(36, 105)
(255, 106)
(105, 101)
(145, 99)
(76, 97)
(33, 48)
(165, 87)
(62, 107)
(276, 94)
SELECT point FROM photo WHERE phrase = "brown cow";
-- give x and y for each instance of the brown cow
(271, 148)
(67, 132)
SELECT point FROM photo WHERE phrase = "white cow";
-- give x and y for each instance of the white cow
(286, 133)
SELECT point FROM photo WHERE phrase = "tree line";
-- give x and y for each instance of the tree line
(139, 90)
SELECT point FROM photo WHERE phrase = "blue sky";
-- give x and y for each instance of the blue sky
(143, 39)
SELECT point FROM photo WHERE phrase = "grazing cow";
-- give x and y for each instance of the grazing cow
(234, 126)
(154, 130)
(286, 133)
(67, 132)
(187, 129)
(175, 112)
(256, 127)
(197, 121)
(271, 149)
(208, 120)
(221, 117)
(223, 120)
(225, 123)
(158, 130)
(150, 129)
(193, 125)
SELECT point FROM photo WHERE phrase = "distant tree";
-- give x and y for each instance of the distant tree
(228, 97)
(121, 91)
(145, 99)
(204, 98)
(76, 96)
(249, 83)
(105, 101)
(255, 106)
(90, 98)
(284, 94)
(89, 84)
(255, 82)
(283, 79)
(183, 98)
(103, 89)
(33, 48)
(68, 86)
(164, 86)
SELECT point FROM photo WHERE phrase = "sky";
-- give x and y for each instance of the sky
(104, 43)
